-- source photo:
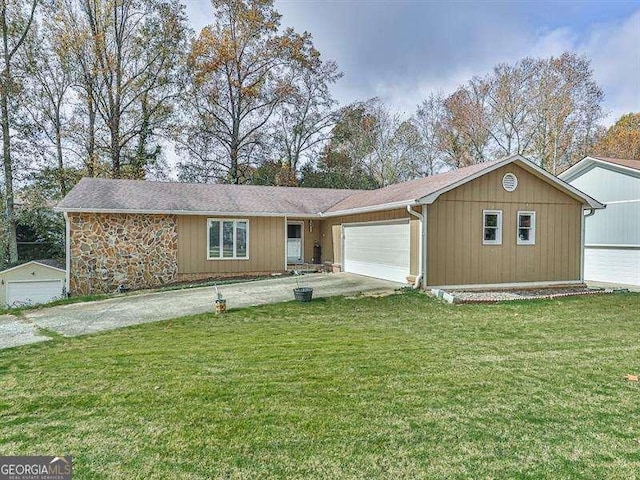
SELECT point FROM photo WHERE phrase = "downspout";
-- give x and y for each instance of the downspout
(420, 217)
(67, 252)
(286, 239)
(582, 241)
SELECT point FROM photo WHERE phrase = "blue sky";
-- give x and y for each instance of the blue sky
(403, 50)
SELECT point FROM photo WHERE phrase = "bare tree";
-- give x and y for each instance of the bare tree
(70, 27)
(546, 109)
(304, 120)
(50, 80)
(427, 121)
(464, 128)
(511, 106)
(16, 19)
(378, 142)
(568, 107)
(128, 52)
(242, 69)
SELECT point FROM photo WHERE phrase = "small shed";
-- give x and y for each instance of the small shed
(34, 282)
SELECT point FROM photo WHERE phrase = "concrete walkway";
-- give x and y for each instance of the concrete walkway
(91, 317)
(614, 286)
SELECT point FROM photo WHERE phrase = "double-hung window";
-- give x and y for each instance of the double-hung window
(227, 239)
(492, 227)
(526, 228)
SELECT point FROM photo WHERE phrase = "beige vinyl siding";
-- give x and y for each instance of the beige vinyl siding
(331, 233)
(456, 255)
(266, 246)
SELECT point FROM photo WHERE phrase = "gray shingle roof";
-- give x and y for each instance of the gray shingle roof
(50, 262)
(408, 191)
(635, 164)
(100, 195)
(94, 194)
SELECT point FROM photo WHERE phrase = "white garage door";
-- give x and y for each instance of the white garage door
(378, 250)
(31, 293)
(613, 265)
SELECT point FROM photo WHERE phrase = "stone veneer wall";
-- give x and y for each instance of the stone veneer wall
(108, 250)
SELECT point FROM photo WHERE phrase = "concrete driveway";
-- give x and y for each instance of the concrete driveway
(91, 317)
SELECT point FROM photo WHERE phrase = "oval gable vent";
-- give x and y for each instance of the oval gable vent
(509, 182)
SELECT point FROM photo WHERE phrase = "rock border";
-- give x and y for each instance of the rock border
(451, 298)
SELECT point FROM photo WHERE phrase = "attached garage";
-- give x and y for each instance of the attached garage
(32, 283)
(380, 250)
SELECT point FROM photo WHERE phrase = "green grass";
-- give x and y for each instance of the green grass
(393, 387)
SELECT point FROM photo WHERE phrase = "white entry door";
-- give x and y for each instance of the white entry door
(294, 242)
(378, 250)
(33, 292)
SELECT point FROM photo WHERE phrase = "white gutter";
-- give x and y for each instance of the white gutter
(185, 212)
(582, 241)
(286, 244)
(350, 211)
(372, 208)
(67, 252)
(421, 246)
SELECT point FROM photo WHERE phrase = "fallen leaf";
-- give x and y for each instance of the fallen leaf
(632, 378)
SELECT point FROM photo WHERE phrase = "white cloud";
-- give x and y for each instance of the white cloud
(615, 53)
(614, 49)
(553, 43)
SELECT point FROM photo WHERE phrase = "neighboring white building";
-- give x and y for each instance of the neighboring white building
(612, 237)
(32, 283)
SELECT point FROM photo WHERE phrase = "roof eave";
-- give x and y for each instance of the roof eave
(185, 212)
(575, 170)
(433, 196)
(29, 263)
(325, 214)
(368, 209)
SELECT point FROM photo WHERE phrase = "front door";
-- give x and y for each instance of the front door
(294, 242)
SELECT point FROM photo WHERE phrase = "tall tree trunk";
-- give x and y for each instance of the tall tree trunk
(114, 130)
(234, 177)
(141, 158)
(12, 242)
(61, 174)
(91, 138)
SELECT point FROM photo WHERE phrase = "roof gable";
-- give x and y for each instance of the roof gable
(52, 264)
(527, 165)
(531, 189)
(624, 166)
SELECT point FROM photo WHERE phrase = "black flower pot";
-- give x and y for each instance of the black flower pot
(303, 294)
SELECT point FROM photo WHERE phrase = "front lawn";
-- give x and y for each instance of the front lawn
(392, 387)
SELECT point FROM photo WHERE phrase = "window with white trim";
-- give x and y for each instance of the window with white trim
(492, 227)
(227, 239)
(526, 228)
